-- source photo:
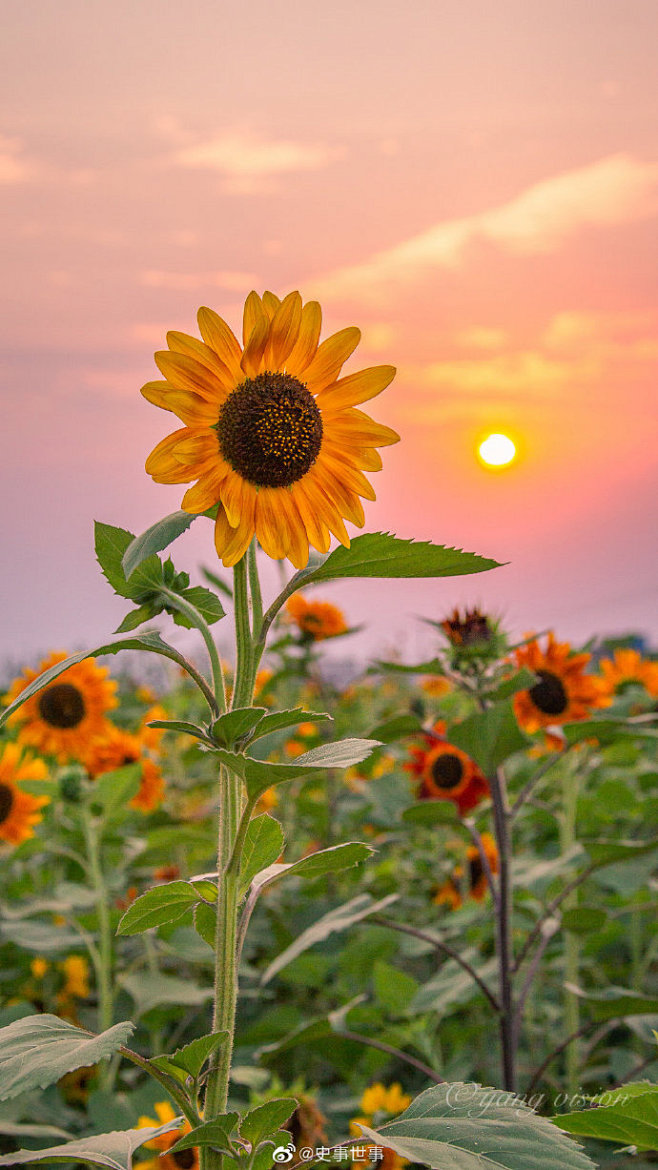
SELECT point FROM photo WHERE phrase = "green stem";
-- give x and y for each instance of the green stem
(501, 814)
(571, 945)
(193, 615)
(103, 957)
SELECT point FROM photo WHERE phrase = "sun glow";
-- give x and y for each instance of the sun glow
(497, 451)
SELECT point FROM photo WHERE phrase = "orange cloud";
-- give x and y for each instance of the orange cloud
(247, 161)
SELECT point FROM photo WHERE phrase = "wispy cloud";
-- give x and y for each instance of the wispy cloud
(13, 166)
(616, 190)
(189, 281)
(247, 161)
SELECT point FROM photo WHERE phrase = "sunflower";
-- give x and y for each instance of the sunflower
(63, 718)
(628, 666)
(564, 693)
(446, 772)
(378, 1104)
(472, 629)
(185, 1159)
(271, 433)
(453, 891)
(19, 811)
(115, 749)
(76, 977)
(315, 620)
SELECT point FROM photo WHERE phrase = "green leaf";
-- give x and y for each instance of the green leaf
(615, 1001)
(263, 844)
(490, 736)
(137, 617)
(431, 812)
(182, 727)
(584, 919)
(606, 731)
(331, 860)
(111, 543)
(215, 1134)
(192, 1057)
(343, 753)
(156, 538)
(165, 903)
(151, 642)
(452, 986)
(394, 729)
(608, 852)
(336, 920)
(280, 719)
(260, 774)
(232, 726)
(521, 681)
(40, 937)
(207, 603)
(112, 1150)
(379, 554)
(628, 1116)
(37, 1050)
(205, 923)
(263, 1121)
(113, 790)
(394, 989)
(466, 1127)
(433, 666)
(149, 991)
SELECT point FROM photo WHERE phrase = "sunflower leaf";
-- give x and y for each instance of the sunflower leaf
(336, 920)
(490, 736)
(263, 844)
(380, 554)
(627, 1115)
(36, 1051)
(156, 538)
(111, 1150)
(204, 600)
(111, 543)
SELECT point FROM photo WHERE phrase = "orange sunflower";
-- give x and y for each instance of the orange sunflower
(628, 666)
(271, 432)
(185, 1159)
(62, 719)
(115, 749)
(19, 811)
(315, 620)
(446, 772)
(453, 891)
(564, 693)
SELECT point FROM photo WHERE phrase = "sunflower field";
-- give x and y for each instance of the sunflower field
(254, 913)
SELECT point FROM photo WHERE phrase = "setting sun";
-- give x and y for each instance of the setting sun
(497, 451)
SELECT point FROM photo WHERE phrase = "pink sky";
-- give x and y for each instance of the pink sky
(474, 185)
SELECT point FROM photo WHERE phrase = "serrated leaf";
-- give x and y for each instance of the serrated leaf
(331, 860)
(111, 544)
(215, 1134)
(261, 774)
(490, 736)
(205, 923)
(204, 600)
(433, 666)
(278, 720)
(235, 724)
(192, 1057)
(394, 729)
(36, 1051)
(40, 937)
(342, 753)
(452, 986)
(182, 727)
(628, 1116)
(380, 554)
(465, 1127)
(111, 1150)
(263, 844)
(151, 642)
(336, 920)
(165, 903)
(156, 538)
(523, 680)
(261, 1122)
(137, 617)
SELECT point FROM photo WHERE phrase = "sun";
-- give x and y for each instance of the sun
(497, 451)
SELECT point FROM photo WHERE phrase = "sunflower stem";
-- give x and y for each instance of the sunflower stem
(193, 615)
(103, 956)
(571, 942)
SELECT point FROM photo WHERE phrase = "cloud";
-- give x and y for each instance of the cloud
(616, 190)
(189, 281)
(13, 168)
(246, 161)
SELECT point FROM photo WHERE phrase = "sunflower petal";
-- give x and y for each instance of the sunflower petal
(355, 388)
(252, 358)
(330, 357)
(187, 373)
(221, 338)
(253, 313)
(231, 543)
(271, 524)
(305, 347)
(270, 304)
(192, 347)
(284, 331)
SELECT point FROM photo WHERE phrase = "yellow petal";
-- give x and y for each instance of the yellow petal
(187, 373)
(317, 530)
(270, 304)
(160, 457)
(271, 524)
(192, 347)
(231, 543)
(353, 427)
(355, 388)
(306, 345)
(190, 408)
(252, 358)
(205, 493)
(221, 338)
(330, 357)
(253, 313)
(284, 331)
(298, 546)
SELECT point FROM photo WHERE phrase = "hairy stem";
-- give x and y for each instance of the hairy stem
(571, 941)
(508, 1029)
(103, 955)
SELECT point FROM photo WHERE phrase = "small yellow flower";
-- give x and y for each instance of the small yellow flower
(316, 620)
(39, 966)
(76, 972)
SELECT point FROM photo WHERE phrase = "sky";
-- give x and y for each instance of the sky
(474, 185)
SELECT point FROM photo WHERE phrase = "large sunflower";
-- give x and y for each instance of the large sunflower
(446, 772)
(564, 693)
(19, 811)
(63, 718)
(271, 433)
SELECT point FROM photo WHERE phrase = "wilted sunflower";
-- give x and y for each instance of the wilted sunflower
(63, 718)
(183, 1160)
(453, 891)
(271, 433)
(19, 811)
(628, 666)
(446, 772)
(564, 693)
(316, 620)
(116, 749)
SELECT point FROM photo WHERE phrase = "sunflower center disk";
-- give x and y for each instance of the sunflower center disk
(62, 706)
(549, 695)
(447, 771)
(270, 430)
(184, 1158)
(6, 802)
(475, 870)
